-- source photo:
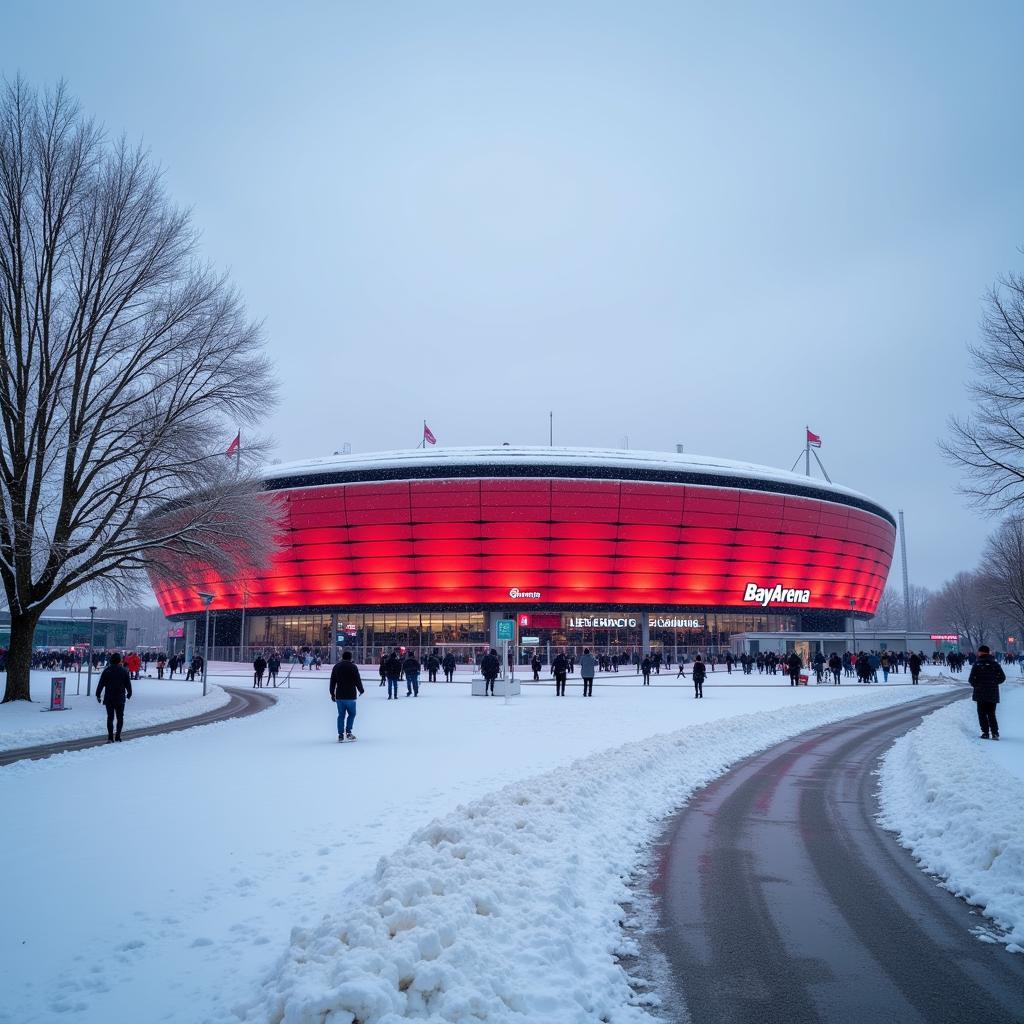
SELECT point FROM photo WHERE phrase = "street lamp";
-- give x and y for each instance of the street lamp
(92, 637)
(853, 626)
(207, 600)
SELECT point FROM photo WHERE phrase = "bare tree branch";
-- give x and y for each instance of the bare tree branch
(989, 444)
(126, 366)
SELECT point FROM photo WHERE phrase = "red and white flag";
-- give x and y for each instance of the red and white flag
(234, 446)
(428, 434)
(813, 440)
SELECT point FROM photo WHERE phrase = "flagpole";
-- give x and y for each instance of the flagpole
(238, 453)
(807, 450)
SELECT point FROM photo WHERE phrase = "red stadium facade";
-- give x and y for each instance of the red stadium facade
(591, 536)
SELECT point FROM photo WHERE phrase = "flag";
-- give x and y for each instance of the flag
(813, 440)
(428, 434)
(234, 446)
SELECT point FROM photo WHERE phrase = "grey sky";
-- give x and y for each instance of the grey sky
(704, 223)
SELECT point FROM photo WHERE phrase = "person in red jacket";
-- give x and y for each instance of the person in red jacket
(134, 664)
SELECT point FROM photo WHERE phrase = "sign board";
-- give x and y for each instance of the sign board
(949, 637)
(541, 621)
(529, 640)
(506, 629)
(176, 633)
(57, 689)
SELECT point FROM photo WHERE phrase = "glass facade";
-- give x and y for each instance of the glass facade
(368, 633)
(67, 632)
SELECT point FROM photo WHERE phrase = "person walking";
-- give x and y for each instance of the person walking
(273, 667)
(835, 666)
(884, 664)
(259, 666)
(433, 664)
(161, 663)
(794, 664)
(448, 664)
(698, 672)
(645, 669)
(986, 677)
(535, 665)
(489, 668)
(133, 663)
(559, 668)
(115, 687)
(915, 668)
(587, 666)
(411, 668)
(346, 687)
(393, 672)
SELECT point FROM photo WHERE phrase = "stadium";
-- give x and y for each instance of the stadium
(617, 550)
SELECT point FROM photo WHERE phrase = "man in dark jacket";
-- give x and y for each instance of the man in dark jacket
(559, 668)
(699, 672)
(259, 666)
(345, 688)
(536, 666)
(915, 668)
(448, 664)
(114, 689)
(986, 677)
(645, 669)
(411, 668)
(489, 667)
(433, 664)
(794, 664)
(393, 672)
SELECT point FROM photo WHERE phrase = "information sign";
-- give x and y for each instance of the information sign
(529, 640)
(505, 629)
(57, 690)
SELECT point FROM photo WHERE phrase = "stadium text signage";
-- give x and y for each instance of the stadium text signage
(948, 637)
(517, 595)
(778, 594)
(600, 622)
(670, 623)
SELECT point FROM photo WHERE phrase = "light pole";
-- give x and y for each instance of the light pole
(853, 627)
(92, 637)
(207, 600)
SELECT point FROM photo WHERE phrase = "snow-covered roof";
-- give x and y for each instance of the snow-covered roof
(495, 457)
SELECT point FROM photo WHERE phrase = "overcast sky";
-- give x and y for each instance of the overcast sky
(700, 223)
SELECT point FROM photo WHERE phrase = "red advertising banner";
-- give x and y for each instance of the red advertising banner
(535, 621)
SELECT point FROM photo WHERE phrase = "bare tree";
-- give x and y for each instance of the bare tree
(1004, 574)
(125, 366)
(989, 445)
(889, 613)
(962, 605)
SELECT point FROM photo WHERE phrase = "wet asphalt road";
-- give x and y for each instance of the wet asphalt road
(781, 900)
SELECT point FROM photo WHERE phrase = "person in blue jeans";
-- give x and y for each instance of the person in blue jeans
(346, 686)
(411, 668)
(393, 672)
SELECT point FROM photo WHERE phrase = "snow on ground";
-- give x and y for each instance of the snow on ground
(957, 803)
(162, 877)
(154, 702)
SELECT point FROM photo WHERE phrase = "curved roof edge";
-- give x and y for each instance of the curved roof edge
(392, 464)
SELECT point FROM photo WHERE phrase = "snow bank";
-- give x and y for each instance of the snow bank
(510, 908)
(24, 724)
(960, 811)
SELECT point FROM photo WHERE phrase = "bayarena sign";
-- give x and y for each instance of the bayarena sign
(583, 532)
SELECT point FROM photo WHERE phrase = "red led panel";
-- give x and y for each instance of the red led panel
(592, 542)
